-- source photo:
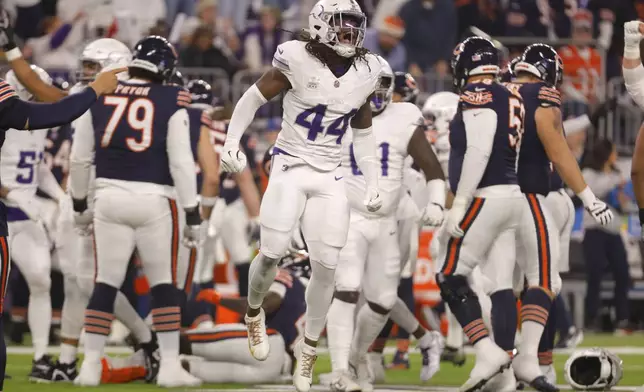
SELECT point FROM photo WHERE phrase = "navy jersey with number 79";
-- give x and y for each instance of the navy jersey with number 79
(508, 105)
(130, 131)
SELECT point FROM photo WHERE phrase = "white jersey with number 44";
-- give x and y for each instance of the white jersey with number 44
(392, 129)
(20, 156)
(319, 106)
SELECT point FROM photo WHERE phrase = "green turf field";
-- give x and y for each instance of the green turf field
(630, 349)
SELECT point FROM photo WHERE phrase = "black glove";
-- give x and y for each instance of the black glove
(7, 36)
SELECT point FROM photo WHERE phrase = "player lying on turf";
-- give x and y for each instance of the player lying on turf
(219, 354)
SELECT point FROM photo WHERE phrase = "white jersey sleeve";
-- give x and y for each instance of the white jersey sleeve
(319, 106)
(20, 158)
(82, 156)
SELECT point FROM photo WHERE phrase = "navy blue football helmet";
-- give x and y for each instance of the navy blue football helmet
(177, 79)
(298, 263)
(156, 55)
(473, 56)
(542, 61)
(405, 85)
(200, 91)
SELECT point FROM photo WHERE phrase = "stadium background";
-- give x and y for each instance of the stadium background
(229, 42)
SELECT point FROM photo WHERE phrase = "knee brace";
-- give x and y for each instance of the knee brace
(454, 288)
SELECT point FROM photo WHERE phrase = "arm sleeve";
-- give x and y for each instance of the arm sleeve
(480, 128)
(634, 81)
(244, 114)
(18, 114)
(364, 147)
(48, 182)
(82, 156)
(182, 165)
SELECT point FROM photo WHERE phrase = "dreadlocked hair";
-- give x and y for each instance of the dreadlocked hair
(317, 49)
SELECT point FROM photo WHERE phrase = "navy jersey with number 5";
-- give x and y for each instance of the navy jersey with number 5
(501, 167)
(535, 170)
(134, 119)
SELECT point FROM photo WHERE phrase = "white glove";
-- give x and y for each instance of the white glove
(233, 160)
(433, 215)
(632, 34)
(83, 222)
(372, 199)
(600, 212)
(26, 203)
(455, 216)
(192, 231)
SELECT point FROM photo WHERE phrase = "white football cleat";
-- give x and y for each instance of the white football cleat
(431, 347)
(305, 356)
(257, 337)
(495, 361)
(89, 374)
(344, 381)
(377, 367)
(363, 374)
(173, 375)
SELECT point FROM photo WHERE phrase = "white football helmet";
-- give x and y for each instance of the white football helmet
(594, 369)
(338, 24)
(102, 55)
(385, 88)
(21, 90)
(440, 109)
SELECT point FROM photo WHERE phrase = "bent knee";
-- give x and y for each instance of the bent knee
(38, 280)
(326, 255)
(274, 243)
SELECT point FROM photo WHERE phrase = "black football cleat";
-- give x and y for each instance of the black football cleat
(41, 370)
(64, 372)
(541, 384)
(454, 355)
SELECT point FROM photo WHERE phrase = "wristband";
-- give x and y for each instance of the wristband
(209, 201)
(587, 196)
(13, 54)
(192, 216)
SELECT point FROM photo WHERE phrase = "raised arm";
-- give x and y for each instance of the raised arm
(632, 63)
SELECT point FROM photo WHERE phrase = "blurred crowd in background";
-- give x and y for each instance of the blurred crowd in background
(230, 43)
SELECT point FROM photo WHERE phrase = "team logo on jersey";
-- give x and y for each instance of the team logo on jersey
(313, 83)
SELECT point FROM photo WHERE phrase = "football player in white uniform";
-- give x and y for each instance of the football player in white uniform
(372, 248)
(22, 172)
(328, 79)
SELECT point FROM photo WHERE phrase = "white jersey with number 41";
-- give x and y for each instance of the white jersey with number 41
(319, 106)
(20, 157)
(392, 129)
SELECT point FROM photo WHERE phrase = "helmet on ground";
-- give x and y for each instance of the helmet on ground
(594, 369)
(102, 54)
(473, 56)
(155, 55)
(405, 85)
(338, 24)
(384, 89)
(21, 90)
(542, 61)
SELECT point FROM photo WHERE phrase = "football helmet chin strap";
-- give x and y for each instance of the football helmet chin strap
(594, 369)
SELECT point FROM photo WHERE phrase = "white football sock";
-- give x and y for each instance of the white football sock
(68, 353)
(403, 317)
(39, 319)
(339, 330)
(530, 337)
(368, 327)
(94, 347)
(169, 345)
(73, 312)
(261, 275)
(319, 294)
(486, 310)
(126, 314)
(454, 337)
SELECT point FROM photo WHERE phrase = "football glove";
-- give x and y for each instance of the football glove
(632, 33)
(233, 160)
(455, 216)
(7, 36)
(433, 215)
(192, 231)
(600, 212)
(372, 199)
